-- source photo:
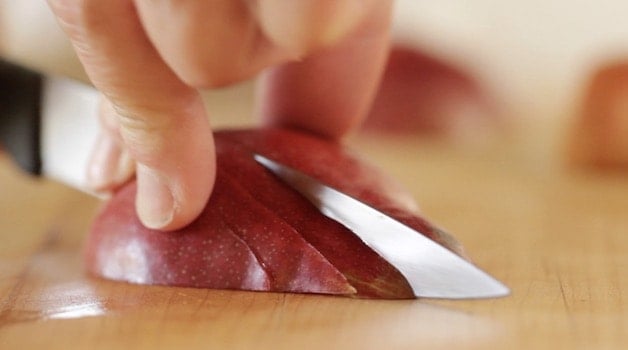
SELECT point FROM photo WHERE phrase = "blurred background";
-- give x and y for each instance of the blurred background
(459, 71)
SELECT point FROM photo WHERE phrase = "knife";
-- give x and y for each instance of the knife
(431, 270)
(47, 124)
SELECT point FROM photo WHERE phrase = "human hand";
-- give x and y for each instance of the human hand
(321, 59)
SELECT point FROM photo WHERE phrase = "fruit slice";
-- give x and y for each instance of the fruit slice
(258, 234)
(121, 248)
(370, 274)
(292, 263)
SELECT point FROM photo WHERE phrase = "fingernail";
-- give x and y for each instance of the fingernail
(109, 165)
(155, 202)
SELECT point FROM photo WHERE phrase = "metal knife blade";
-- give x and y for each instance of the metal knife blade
(432, 270)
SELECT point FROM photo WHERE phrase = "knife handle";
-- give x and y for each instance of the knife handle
(20, 115)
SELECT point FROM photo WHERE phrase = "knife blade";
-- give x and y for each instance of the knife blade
(431, 270)
(47, 124)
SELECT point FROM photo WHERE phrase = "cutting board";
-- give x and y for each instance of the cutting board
(557, 236)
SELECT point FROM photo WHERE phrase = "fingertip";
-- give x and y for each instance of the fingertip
(163, 203)
(175, 183)
(303, 26)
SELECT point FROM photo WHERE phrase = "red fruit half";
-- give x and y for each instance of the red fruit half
(600, 137)
(258, 234)
(421, 94)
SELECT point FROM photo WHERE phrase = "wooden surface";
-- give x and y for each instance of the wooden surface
(557, 237)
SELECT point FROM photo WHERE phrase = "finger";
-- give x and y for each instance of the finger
(303, 26)
(330, 91)
(209, 43)
(162, 120)
(214, 43)
(110, 164)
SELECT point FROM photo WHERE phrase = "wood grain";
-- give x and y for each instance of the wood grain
(558, 237)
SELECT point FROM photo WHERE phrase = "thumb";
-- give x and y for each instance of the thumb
(162, 121)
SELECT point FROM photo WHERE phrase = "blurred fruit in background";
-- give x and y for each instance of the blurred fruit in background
(423, 95)
(600, 134)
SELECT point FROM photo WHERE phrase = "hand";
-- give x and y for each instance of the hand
(322, 60)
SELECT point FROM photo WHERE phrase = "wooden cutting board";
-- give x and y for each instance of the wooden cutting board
(557, 237)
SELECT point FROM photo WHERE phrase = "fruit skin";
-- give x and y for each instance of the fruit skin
(423, 95)
(598, 140)
(258, 234)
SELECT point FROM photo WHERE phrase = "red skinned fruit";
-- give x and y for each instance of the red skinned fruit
(258, 234)
(423, 95)
(599, 137)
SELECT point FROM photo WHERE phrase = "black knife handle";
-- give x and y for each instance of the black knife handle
(20, 115)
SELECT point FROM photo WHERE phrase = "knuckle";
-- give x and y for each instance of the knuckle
(148, 128)
(144, 121)
(145, 132)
